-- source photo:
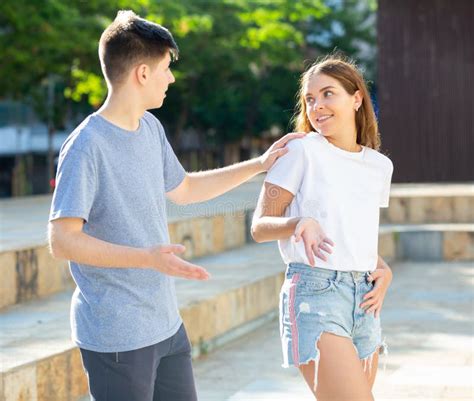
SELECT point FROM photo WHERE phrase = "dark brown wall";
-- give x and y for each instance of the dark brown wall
(426, 88)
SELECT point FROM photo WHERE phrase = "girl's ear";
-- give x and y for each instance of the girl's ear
(357, 99)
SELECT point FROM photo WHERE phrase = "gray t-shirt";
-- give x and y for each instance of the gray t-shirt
(116, 181)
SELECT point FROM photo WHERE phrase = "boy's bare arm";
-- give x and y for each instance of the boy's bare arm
(205, 185)
(68, 241)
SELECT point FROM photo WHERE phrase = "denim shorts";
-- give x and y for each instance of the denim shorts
(314, 301)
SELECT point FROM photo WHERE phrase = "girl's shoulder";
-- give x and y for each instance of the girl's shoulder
(300, 144)
(379, 158)
(302, 148)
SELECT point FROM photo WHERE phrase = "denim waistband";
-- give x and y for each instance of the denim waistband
(307, 271)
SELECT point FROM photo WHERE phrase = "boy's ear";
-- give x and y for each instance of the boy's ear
(142, 72)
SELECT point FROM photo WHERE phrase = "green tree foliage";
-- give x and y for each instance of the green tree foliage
(239, 64)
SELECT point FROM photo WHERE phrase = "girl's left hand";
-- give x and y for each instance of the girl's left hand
(373, 300)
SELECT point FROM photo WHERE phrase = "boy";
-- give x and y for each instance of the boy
(108, 219)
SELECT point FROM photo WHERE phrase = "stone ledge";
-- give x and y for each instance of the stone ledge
(32, 273)
(427, 242)
(440, 208)
(39, 361)
(24, 219)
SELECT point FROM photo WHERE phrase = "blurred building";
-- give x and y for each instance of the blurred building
(426, 88)
(24, 151)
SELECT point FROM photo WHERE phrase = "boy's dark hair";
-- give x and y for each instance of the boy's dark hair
(130, 40)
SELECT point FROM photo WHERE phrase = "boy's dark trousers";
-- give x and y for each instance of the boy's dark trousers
(160, 372)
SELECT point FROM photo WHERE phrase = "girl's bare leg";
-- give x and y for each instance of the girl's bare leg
(371, 372)
(341, 376)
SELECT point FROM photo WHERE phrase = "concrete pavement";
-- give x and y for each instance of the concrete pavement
(428, 325)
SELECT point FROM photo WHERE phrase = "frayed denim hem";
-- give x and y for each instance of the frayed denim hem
(367, 361)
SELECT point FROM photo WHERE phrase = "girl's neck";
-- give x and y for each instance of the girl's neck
(346, 142)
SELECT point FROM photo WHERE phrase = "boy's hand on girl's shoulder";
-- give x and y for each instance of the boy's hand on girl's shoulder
(163, 259)
(277, 150)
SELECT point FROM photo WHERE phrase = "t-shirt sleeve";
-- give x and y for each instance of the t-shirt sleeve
(173, 171)
(385, 195)
(76, 183)
(288, 170)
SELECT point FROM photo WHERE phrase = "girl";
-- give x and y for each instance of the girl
(321, 202)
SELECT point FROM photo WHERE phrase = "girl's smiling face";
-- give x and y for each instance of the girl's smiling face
(330, 109)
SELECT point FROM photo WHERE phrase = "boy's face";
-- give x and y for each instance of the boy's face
(160, 78)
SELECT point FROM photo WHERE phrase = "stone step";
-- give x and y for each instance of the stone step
(23, 220)
(422, 242)
(29, 272)
(40, 363)
(429, 203)
(32, 273)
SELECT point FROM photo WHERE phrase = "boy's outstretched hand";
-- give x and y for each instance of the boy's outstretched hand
(164, 259)
(278, 149)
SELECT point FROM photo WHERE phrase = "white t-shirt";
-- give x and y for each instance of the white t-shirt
(343, 191)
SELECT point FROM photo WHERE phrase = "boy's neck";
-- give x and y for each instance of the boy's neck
(122, 111)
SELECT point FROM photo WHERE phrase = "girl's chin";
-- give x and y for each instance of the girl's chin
(319, 128)
(322, 131)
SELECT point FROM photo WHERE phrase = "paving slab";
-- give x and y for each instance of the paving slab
(429, 327)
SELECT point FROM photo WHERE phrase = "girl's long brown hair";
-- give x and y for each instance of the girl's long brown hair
(351, 79)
